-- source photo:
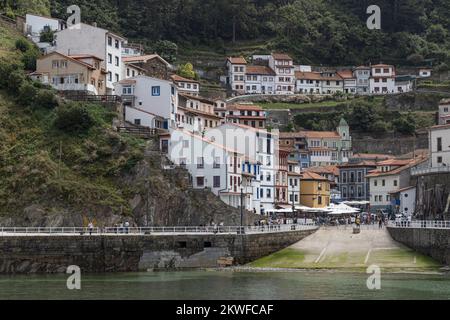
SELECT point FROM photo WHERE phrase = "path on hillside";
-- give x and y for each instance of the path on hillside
(339, 248)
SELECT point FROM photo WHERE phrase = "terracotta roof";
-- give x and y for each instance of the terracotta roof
(237, 60)
(178, 78)
(346, 74)
(198, 98)
(144, 58)
(336, 77)
(394, 162)
(308, 175)
(260, 70)
(287, 135)
(84, 56)
(69, 58)
(441, 126)
(412, 163)
(249, 107)
(324, 169)
(445, 101)
(281, 56)
(322, 134)
(127, 81)
(199, 112)
(372, 156)
(364, 163)
(402, 189)
(308, 75)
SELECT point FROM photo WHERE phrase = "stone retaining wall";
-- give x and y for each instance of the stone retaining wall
(127, 253)
(431, 242)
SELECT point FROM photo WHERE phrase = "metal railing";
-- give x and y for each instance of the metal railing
(421, 224)
(423, 171)
(155, 230)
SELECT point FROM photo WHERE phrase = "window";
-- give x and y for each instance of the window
(156, 91)
(109, 76)
(439, 144)
(319, 200)
(117, 44)
(128, 90)
(216, 181)
(109, 58)
(109, 41)
(375, 183)
(439, 159)
(117, 77)
(117, 61)
(383, 182)
(395, 183)
(268, 193)
(137, 122)
(200, 163)
(200, 181)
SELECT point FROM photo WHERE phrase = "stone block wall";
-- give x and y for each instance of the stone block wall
(127, 253)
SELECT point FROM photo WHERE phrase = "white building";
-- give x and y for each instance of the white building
(389, 177)
(196, 114)
(35, 24)
(131, 70)
(444, 111)
(382, 80)
(362, 75)
(349, 80)
(425, 72)
(256, 144)
(331, 82)
(308, 82)
(404, 200)
(294, 175)
(283, 65)
(403, 84)
(188, 86)
(86, 39)
(210, 164)
(260, 79)
(236, 67)
(440, 145)
(149, 102)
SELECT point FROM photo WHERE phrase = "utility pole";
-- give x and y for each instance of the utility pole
(242, 211)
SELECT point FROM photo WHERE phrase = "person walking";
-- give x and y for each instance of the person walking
(90, 228)
(380, 223)
(127, 225)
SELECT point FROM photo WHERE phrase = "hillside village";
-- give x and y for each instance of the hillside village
(227, 147)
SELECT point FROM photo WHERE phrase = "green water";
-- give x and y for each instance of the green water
(205, 285)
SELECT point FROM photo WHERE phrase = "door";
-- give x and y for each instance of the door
(165, 146)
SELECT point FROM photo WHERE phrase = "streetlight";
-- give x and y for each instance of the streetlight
(293, 203)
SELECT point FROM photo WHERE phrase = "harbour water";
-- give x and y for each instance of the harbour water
(230, 285)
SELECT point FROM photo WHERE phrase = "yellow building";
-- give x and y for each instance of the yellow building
(82, 73)
(314, 190)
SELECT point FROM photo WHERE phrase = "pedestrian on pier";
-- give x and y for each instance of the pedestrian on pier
(90, 227)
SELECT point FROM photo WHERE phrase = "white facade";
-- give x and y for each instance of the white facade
(381, 188)
(440, 146)
(152, 97)
(259, 84)
(407, 197)
(236, 74)
(382, 80)
(444, 112)
(362, 75)
(256, 144)
(35, 24)
(86, 39)
(283, 66)
(131, 71)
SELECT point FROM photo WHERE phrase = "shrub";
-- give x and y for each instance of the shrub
(29, 59)
(73, 118)
(27, 94)
(15, 80)
(23, 45)
(46, 99)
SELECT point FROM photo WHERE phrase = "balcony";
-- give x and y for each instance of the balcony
(75, 87)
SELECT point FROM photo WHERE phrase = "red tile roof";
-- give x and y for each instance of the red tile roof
(308, 175)
(281, 56)
(346, 74)
(249, 107)
(321, 134)
(178, 78)
(324, 169)
(308, 75)
(260, 70)
(237, 60)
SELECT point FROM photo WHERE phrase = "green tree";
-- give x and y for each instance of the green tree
(73, 118)
(186, 71)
